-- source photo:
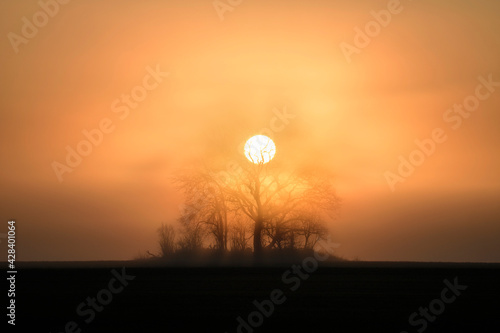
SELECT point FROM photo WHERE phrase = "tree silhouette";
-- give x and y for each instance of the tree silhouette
(166, 235)
(282, 209)
(205, 208)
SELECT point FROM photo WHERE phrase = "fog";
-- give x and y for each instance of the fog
(274, 68)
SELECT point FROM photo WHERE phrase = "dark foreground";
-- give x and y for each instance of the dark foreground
(346, 297)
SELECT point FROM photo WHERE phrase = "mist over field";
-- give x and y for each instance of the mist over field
(173, 85)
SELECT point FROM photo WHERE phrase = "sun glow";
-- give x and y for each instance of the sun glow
(260, 149)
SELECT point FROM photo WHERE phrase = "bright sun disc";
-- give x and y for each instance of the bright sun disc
(260, 149)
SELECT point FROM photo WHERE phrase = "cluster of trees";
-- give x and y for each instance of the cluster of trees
(253, 209)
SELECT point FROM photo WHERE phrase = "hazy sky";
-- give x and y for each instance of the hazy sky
(352, 115)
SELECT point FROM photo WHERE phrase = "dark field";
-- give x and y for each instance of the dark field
(345, 297)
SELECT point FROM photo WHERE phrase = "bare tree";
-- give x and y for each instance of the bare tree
(206, 207)
(276, 202)
(311, 229)
(191, 240)
(282, 209)
(239, 235)
(167, 240)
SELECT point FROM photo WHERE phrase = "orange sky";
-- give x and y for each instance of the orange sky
(227, 79)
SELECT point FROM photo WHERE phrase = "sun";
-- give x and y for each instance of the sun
(260, 149)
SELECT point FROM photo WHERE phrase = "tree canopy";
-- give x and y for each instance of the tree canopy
(260, 203)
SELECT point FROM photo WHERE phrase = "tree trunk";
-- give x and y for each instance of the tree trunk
(257, 239)
(259, 221)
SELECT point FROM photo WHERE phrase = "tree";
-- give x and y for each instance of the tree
(167, 240)
(206, 207)
(239, 235)
(283, 209)
(276, 202)
(311, 229)
(192, 237)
